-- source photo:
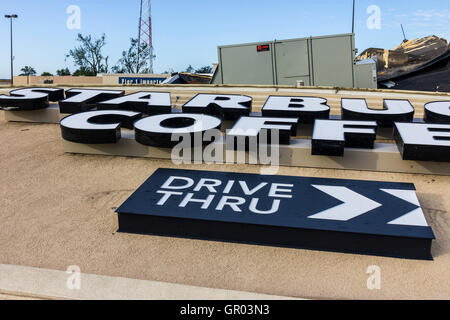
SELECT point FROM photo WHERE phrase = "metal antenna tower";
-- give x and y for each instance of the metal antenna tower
(145, 31)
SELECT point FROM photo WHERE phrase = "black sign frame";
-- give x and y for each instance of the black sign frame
(368, 233)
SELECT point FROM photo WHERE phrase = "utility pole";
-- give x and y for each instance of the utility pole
(353, 17)
(11, 17)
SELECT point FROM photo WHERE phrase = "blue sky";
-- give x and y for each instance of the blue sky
(188, 32)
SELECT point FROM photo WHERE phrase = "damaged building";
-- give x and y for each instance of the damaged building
(419, 64)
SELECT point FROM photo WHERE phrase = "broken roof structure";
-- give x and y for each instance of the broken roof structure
(188, 78)
(434, 75)
(419, 64)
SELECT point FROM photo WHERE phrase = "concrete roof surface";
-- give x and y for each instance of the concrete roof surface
(57, 210)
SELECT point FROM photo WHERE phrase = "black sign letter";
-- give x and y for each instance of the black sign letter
(423, 142)
(30, 98)
(251, 127)
(80, 100)
(393, 111)
(330, 137)
(437, 112)
(97, 127)
(227, 107)
(307, 109)
(157, 130)
(146, 102)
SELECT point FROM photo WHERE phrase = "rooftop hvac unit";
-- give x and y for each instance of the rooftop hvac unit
(313, 61)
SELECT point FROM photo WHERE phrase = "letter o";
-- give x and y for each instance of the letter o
(157, 131)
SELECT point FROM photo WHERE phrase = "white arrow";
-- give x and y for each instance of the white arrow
(354, 204)
(413, 218)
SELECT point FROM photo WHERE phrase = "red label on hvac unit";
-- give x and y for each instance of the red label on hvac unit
(262, 48)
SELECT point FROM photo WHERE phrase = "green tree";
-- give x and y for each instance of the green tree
(63, 72)
(170, 71)
(28, 71)
(88, 55)
(133, 61)
(46, 74)
(84, 72)
(205, 69)
(189, 69)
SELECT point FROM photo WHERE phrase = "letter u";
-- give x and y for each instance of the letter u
(254, 204)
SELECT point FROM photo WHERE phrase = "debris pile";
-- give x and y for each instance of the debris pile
(412, 58)
(406, 56)
(426, 48)
(188, 78)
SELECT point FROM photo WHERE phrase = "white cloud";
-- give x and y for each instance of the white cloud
(427, 22)
(432, 14)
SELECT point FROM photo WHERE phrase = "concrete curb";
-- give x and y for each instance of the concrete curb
(17, 282)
